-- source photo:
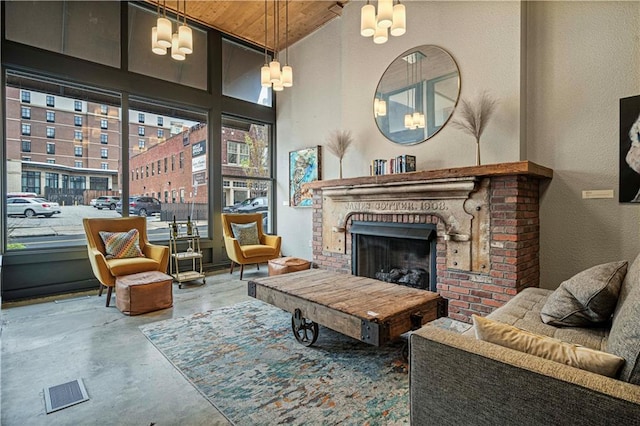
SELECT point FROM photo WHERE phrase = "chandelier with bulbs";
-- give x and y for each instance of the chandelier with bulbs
(271, 75)
(163, 37)
(390, 19)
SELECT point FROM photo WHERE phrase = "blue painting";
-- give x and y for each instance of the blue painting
(304, 167)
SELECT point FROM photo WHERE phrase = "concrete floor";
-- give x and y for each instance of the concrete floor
(56, 340)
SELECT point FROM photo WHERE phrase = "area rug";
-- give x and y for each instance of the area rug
(246, 362)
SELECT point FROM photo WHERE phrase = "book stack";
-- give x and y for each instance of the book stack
(400, 164)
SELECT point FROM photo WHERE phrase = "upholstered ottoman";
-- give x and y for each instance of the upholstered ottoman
(144, 292)
(284, 265)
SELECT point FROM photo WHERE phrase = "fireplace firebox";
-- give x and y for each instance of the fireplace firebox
(401, 253)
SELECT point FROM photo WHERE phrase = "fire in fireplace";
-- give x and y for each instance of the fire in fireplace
(402, 253)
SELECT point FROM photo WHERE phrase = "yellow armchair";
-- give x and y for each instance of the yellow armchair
(269, 247)
(156, 258)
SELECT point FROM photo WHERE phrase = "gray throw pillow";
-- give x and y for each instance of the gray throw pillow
(586, 299)
(624, 337)
(246, 233)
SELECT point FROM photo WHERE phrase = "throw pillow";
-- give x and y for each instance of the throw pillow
(246, 233)
(121, 245)
(547, 347)
(587, 298)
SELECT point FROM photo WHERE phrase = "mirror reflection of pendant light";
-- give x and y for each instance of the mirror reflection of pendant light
(390, 18)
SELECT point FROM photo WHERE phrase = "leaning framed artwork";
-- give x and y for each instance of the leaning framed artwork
(629, 188)
(304, 167)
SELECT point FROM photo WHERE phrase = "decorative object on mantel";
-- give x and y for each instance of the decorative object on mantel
(270, 74)
(162, 36)
(391, 18)
(304, 167)
(416, 95)
(400, 164)
(474, 116)
(338, 143)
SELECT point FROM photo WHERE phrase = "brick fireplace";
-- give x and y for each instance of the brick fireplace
(486, 221)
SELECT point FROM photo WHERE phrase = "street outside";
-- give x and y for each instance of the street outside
(65, 229)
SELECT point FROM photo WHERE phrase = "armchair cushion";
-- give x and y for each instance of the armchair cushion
(121, 245)
(246, 233)
(258, 250)
(587, 298)
(547, 347)
(120, 267)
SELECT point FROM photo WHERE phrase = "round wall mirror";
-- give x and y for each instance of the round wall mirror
(416, 95)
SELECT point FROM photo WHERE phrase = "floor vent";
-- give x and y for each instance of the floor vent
(65, 395)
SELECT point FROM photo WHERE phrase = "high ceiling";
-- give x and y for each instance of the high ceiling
(245, 18)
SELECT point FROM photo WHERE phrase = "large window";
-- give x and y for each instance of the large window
(247, 181)
(188, 142)
(47, 37)
(25, 112)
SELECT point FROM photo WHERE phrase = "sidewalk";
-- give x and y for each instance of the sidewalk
(35, 227)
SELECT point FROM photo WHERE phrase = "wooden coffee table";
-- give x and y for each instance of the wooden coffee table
(369, 310)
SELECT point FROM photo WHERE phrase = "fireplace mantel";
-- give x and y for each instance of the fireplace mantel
(486, 216)
(526, 168)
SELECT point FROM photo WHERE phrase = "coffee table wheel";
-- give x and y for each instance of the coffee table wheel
(305, 331)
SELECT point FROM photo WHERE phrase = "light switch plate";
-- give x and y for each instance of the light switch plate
(598, 193)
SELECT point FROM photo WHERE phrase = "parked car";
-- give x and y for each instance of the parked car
(234, 208)
(106, 202)
(92, 203)
(30, 207)
(141, 206)
(257, 204)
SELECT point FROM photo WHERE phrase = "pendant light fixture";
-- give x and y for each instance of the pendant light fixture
(163, 37)
(176, 53)
(271, 74)
(265, 73)
(185, 35)
(391, 18)
(287, 70)
(163, 27)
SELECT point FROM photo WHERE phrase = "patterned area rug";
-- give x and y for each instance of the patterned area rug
(246, 362)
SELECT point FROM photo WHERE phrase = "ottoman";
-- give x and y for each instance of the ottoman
(144, 292)
(284, 265)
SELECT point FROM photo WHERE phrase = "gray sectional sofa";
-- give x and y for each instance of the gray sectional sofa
(458, 380)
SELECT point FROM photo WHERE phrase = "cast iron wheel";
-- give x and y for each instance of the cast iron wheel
(305, 331)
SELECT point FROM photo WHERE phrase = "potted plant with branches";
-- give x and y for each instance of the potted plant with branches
(473, 117)
(338, 144)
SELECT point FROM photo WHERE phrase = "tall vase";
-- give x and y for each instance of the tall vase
(477, 152)
(341, 168)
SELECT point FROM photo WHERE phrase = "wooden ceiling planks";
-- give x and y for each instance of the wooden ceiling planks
(244, 19)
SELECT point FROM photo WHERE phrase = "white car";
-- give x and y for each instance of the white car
(30, 207)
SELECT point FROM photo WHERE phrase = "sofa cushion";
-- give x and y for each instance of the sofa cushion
(523, 311)
(546, 347)
(624, 338)
(121, 245)
(246, 233)
(587, 298)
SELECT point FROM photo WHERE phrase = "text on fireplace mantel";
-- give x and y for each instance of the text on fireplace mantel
(400, 206)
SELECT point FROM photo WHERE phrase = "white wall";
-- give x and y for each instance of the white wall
(580, 59)
(336, 72)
